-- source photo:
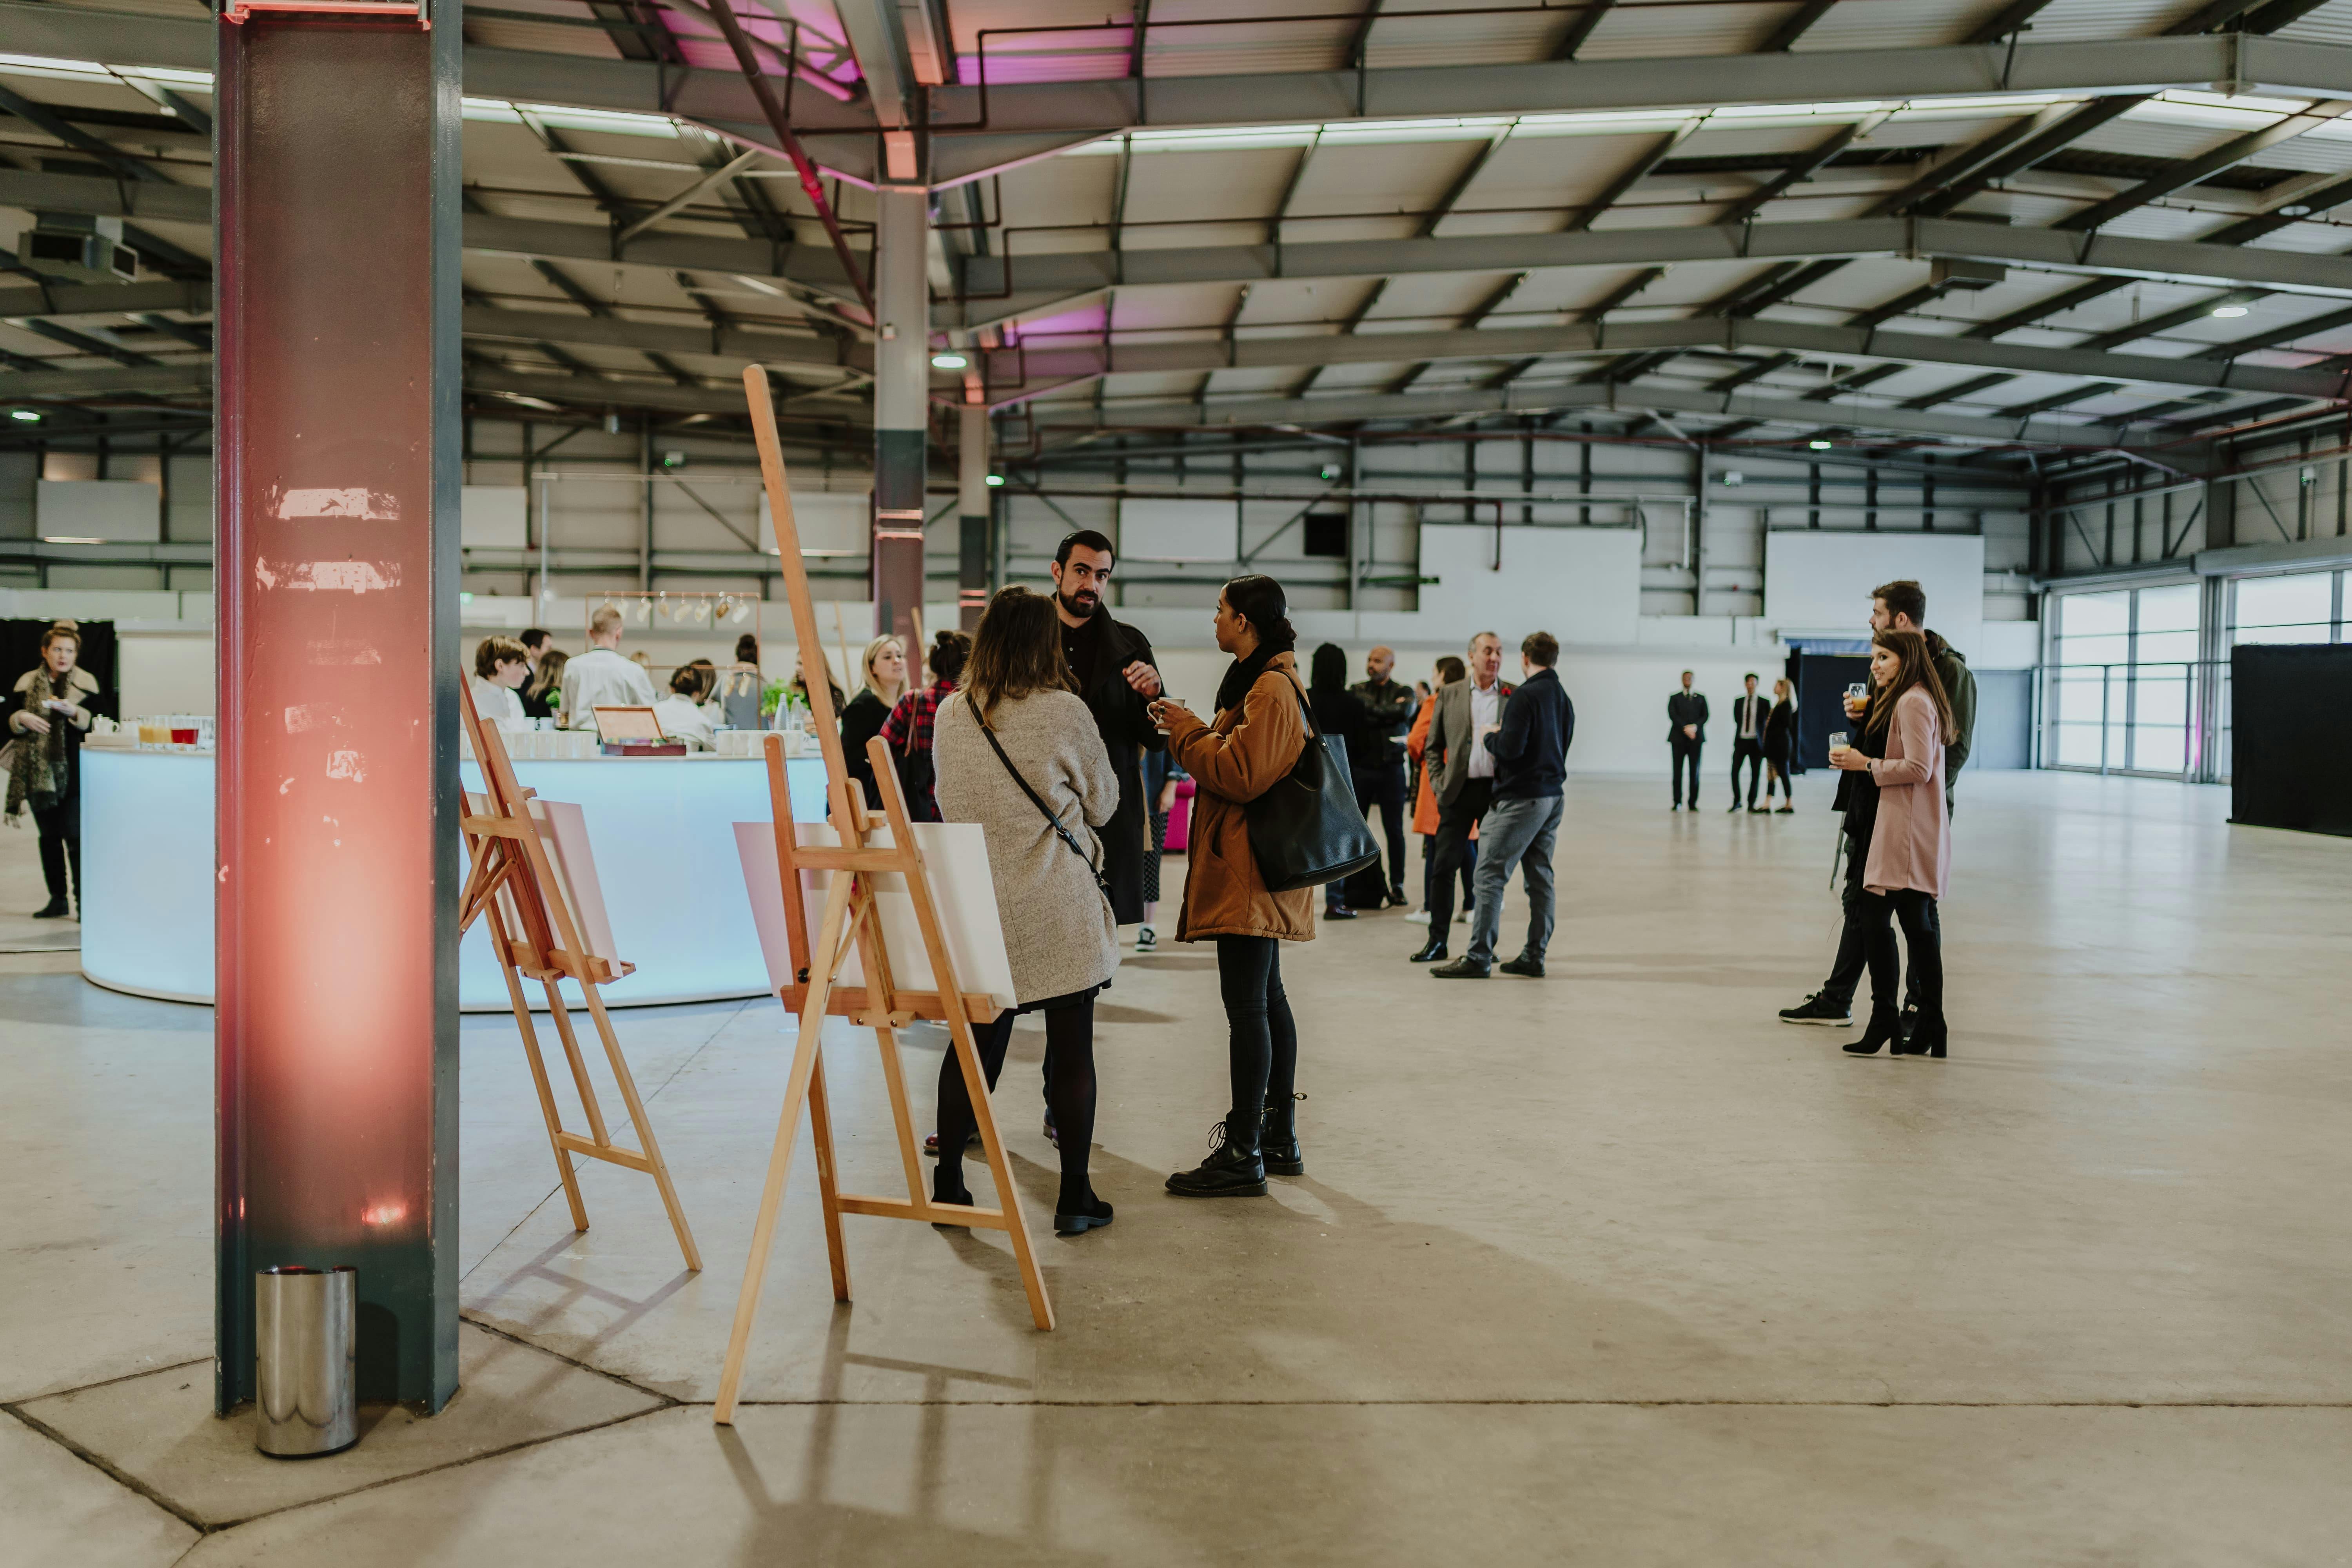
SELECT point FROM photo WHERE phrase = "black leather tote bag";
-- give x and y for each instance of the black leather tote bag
(1306, 828)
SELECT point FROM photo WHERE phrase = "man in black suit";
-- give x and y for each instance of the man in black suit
(1380, 775)
(1747, 716)
(1685, 733)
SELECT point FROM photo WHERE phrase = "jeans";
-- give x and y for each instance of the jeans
(1262, 1038)
(1384, 787)
(1686, 756)
(1454, 848)
(1514, 833)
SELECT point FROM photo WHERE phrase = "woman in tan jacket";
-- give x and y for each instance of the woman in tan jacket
(1910, 858)
(1257, 736)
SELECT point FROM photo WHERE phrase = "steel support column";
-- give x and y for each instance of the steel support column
(902, 375)
(972, 525)
(336, 488)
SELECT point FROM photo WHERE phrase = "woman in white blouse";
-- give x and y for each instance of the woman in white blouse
(681, 714)
(500, 666)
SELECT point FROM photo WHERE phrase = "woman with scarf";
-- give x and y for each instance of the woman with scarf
(1254, 740)
(46, 724)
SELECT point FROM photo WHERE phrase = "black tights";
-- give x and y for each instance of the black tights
(1921, 936)
(1069, 1089)
(1264, 1041)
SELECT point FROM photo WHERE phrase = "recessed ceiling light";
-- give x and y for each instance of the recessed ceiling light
(948, 360)
(996, 479)
(1819, 445)
(30, 415)
(2229, 312)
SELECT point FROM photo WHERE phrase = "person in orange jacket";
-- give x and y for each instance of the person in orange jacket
(1425, 805)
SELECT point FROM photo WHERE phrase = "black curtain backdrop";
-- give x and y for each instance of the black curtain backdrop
(2291, 750)
(20, 651)
(1821, 681)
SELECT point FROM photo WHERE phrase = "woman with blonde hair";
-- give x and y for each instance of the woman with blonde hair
(1779, 738)
(1910, 858)
(883, 671)
(1016, 751)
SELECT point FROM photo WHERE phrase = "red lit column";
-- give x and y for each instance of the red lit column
(337, 478)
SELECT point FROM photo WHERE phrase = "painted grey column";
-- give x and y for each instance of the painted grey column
(902, 377)
(972, 505)
(336, 481)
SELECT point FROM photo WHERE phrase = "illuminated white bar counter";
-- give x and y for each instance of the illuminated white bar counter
(662, 827)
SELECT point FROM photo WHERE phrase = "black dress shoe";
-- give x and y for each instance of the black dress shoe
(1530, 967)
(1093, 1216)
(1431, 952)
(1342, 912)
(1460, 969)
(1233, 1169)
(55, 910)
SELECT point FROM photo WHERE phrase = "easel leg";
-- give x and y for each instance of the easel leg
(894, 1074)
(546, 1090)
(1008, 1196)
(828, 1183)
(588, 1102)
(646, 1143)
(822, 964)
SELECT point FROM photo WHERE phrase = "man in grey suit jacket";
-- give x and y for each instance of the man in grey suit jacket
(1465, 769)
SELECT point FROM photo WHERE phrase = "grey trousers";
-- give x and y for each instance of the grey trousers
(1514, 833)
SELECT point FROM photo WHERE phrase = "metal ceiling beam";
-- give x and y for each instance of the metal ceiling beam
(1050, 368)
(999, 288)
(1027, 119)
(2188, 171)
(1523, 398)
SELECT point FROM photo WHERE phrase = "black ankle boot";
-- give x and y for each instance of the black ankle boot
(55, 910)
(1279, 1142)
(942, 1194)
(1233, 1168)
(1092, 1215)
(1928, 1037)
(1882, 1031)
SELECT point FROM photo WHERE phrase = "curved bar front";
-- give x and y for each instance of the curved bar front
(662, 829)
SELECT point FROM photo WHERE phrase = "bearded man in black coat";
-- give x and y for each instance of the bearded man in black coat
(1113, 665)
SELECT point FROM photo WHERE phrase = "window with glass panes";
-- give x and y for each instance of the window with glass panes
(2291, 607)
(2123, 688)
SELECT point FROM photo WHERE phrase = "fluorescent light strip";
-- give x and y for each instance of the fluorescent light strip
(91, 70)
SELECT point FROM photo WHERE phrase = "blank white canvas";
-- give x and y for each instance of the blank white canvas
(494, 517)
(1159, 529)
(955, 858)
(1819, 580)
(826, 521)
(126, 510)
(1581, 585)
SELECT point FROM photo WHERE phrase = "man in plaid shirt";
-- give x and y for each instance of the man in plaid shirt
(908, 730)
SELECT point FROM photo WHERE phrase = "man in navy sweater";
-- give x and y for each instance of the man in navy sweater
(1530, 751)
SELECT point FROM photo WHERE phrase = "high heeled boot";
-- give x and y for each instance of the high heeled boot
(1930, 1038)
(1233, 1168)
(1883, 1030)
(1279, 1142)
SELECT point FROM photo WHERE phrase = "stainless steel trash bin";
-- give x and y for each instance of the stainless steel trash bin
(305, 1339)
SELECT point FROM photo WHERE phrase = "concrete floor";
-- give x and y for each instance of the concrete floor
(1611, 1267)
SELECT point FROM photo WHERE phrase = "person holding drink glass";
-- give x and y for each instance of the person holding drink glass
(1909, 855)
(45, 727)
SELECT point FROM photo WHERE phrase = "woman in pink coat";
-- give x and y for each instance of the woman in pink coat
(1911, 842)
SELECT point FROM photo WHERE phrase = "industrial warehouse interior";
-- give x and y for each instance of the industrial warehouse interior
(474, 480)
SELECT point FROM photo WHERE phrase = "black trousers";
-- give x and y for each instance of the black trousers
(1686, 756)
(1744, 750)
(1469, 870)
(1454, 853)
(1775, 774)
(60, 829)
(1921, 936)
(1853, 938)
(1262, 1037)
(1385, 787)
(1069, 1089)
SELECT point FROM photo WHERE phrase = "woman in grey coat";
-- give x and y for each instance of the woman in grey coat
(1016, 751)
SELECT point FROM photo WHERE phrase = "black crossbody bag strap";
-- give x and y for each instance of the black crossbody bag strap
(1038, 801)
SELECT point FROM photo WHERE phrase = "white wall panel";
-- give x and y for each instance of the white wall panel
(1581, 585)
(1821, 581)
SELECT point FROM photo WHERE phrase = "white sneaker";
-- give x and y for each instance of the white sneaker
(1146, 939)
(1418, 918)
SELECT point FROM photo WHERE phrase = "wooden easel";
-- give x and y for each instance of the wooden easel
(851, 919)
(536, 934)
